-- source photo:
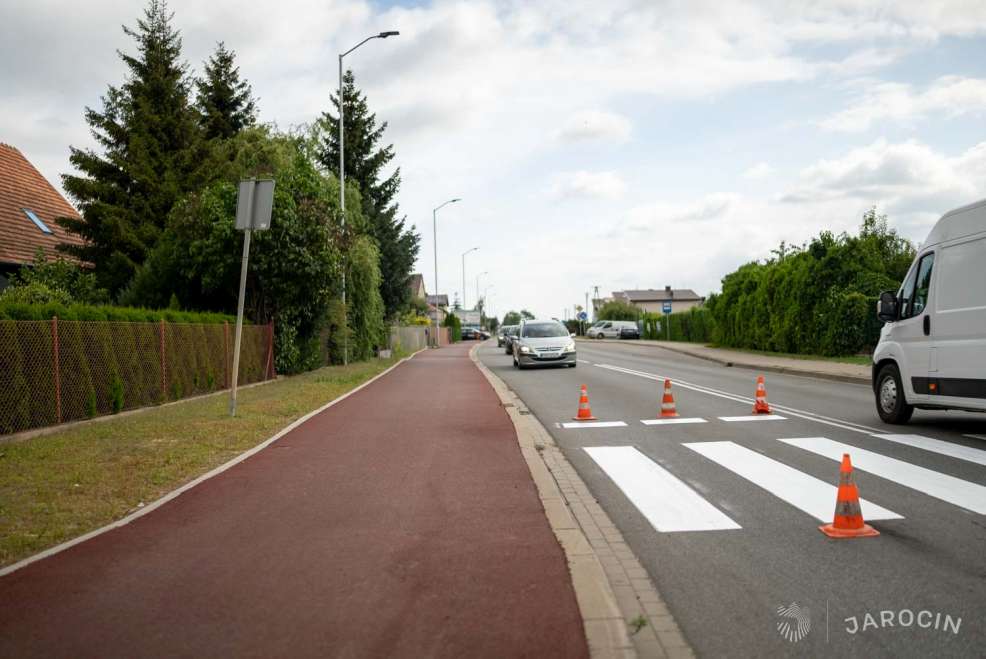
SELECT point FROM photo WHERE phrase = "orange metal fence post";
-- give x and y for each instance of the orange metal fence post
(226, 354)
(164, 387)
(58, 369)
(270, 351)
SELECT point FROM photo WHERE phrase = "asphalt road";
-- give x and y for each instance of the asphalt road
(739, 510)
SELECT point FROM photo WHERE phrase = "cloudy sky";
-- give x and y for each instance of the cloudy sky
(618, 144)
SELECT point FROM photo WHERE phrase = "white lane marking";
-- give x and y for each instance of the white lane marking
(802, 414)
(667, 503)
(753, 417)
(940, 486)
(807, 493)
(594, 424)
(583, 361)
(938, 446)
(672, 421)
(975, 436)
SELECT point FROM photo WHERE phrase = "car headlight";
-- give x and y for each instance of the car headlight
(570, 347)
(525, 349)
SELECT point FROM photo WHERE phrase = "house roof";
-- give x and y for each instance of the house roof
(657, 295)
(416, 283)
(23, 187)
(441, 300)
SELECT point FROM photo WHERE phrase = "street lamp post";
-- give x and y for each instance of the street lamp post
(342, 180)
(477, 283)
(434, 235)
(473, 249)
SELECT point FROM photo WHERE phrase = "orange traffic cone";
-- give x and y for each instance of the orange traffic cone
(585, 412)
(667, 403)
(761, 406)
(848, 520)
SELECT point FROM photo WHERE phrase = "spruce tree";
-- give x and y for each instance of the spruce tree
(364, 162)
(149, 153)
(224, 101)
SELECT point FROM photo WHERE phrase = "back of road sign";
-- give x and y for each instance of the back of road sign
(254, 204)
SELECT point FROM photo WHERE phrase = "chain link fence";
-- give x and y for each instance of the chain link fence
(57, 371)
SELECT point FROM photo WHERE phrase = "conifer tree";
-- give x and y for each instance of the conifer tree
(364, 163)
(224, 101)
(148, 155)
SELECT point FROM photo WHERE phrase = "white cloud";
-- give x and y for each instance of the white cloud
(591, 185)
(474, 91)
(595, 125)
(948, 96)
(759, 171)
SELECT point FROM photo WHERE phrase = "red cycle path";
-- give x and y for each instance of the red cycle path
(400, 522)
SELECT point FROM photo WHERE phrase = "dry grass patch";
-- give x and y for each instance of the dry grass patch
(57, 487)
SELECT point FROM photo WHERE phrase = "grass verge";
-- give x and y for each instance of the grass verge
(864, 360)
(60, 486)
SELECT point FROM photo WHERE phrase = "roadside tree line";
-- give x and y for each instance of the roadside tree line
(817, 298)
(157, 198)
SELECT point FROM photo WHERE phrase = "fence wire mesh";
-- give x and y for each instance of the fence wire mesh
(57, 371)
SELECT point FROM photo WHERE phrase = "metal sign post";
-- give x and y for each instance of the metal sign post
(666, 307)
(254, 203)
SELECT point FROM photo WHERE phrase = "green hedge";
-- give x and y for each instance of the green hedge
(695, 325)
(816, 299)
(21, 311)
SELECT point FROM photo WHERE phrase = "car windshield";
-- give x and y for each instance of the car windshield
(544, 330)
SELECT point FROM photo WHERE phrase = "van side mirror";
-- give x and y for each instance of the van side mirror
(886, 308)
(572, 335)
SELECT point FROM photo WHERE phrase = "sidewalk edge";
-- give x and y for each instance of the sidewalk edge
(154, 505)
(786, 370)
(611, 586)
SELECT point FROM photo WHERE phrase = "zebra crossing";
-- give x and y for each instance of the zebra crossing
(672, 505)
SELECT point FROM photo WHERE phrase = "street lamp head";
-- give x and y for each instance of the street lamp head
(452, 201)
(389, 33)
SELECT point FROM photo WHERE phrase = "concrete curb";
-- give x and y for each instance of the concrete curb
(613, 590)
(803, 372)
(51, 551)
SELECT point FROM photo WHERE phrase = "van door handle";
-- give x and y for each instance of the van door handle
(927, 325)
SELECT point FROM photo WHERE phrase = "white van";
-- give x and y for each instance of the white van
(609, 329)
(932, 350)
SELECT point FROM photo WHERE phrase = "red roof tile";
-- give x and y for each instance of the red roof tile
(22, 186)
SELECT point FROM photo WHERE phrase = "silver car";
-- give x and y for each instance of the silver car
(543, 343)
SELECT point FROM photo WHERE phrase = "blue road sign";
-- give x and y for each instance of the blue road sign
(583, 315)
(666, 307)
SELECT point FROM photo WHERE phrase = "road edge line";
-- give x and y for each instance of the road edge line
(784, 370)
(611, 586)
(174, 494)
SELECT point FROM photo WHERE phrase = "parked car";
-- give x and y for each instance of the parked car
(542, 343)
(610, 329)
(632, 332)
(470, 334)
(932, 350)
(509, 332)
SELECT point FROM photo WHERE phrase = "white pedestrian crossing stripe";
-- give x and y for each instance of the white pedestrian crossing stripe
(671, 421)
(594, 424)
(667, 503)
(805, 492)
(964, 494)
(938, 446)
(753, 417)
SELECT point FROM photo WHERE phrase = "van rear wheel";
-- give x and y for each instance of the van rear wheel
(890, 402)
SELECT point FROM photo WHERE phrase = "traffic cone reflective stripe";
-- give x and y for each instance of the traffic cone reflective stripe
(848, 519)
(761, 406)
(585, 412)
(667, 403)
